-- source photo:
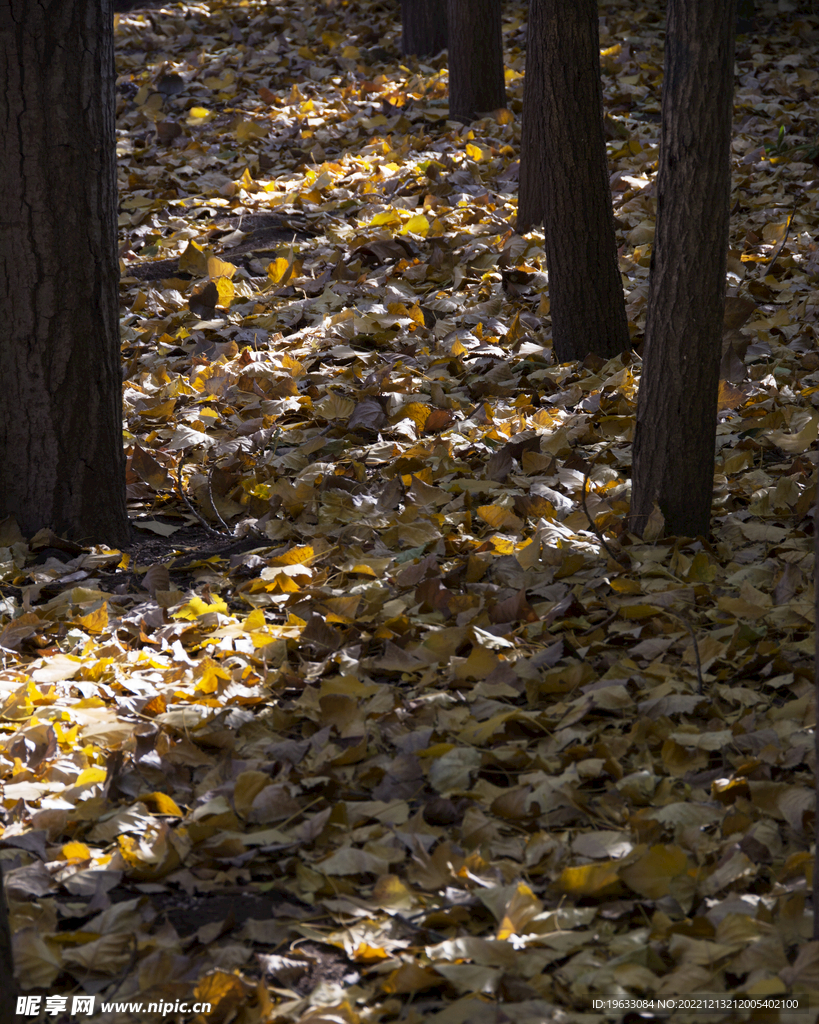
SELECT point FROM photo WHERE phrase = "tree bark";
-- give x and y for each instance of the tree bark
(564, 179)
(476, 82)
(673, 464)
(423, 27)
(745, 15)
(61, 454)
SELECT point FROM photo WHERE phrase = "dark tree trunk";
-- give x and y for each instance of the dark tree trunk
(677, 404)
(745, 15)
(423, 27)
(476, 82)
(8, 985)
(61, 455)
(564, 179)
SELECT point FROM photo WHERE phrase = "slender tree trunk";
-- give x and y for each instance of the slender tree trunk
(677, 405)
(564, 179)
(423, 27)
(476, 82)
(61, 455)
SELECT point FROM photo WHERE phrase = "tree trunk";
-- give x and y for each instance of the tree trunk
(564, 179)
(8, 985)
(745, 15)
(61, 455)
(677, 405)
(476, 82)
(423, 27)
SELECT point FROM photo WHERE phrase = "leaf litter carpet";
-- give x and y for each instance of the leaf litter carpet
(370, 726)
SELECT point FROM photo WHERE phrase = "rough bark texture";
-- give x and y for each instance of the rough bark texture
(564, 179)
(423, 27)
(677, 405)
(61, 455)
(476, 82)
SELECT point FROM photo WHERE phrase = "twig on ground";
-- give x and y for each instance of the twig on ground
(768, 267)
(181, 491)
(693, 636)
(212, 502)
(592, 524)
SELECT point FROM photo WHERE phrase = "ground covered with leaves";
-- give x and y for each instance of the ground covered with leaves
(386, 715)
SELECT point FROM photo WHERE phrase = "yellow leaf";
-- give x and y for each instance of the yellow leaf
(416, 313)
(161, 803)
(293, 365)
(415, 411)
(196, 607)
(279, 270)
(223, 990)
(499, 518)
(224, 286)
(91, 775)
(418, 225)
(255, 621)
(208, 673)
(76, 851)
(159, 412)
(599, 879)
(94, 622)
(364, 951)
(199, 115)
(388, 217)
(220, 268)
(194, 260)
(364, 570)
(477, 153)
(299, 555)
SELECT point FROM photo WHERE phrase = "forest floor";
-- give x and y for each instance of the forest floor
(369, 725)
